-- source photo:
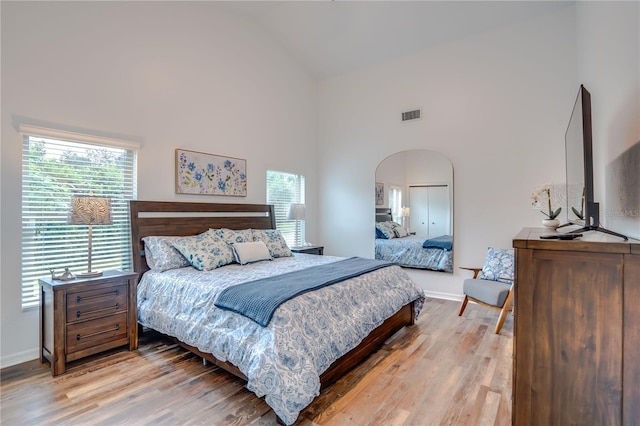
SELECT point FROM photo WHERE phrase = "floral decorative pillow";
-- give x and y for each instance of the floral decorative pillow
(499, 265)
(274, 240)
(161, 255)
(245, 234)
(399, 230)
(386, 229)
(205, 251)
(231, 236)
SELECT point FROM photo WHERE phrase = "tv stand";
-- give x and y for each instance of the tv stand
(592, 217)
(595, 228)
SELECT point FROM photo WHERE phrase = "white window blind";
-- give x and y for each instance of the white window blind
(52, 171)
(283, 189)
(395, 203)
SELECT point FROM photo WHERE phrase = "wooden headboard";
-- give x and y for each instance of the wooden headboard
(170, 218)
(383, 214)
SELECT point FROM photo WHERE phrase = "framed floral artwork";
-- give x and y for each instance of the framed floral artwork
(379, 194)
(209, 174)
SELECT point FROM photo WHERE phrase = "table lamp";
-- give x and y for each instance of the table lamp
(89, 210)
(297, 212)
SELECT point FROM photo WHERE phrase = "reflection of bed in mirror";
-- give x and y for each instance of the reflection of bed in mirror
(411, 251)
(419, 192)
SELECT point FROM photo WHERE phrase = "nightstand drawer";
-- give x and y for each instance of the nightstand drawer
(87, 334)
(96, 303)
(319, 250)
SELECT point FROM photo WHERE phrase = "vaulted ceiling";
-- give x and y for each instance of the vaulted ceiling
(336, 37)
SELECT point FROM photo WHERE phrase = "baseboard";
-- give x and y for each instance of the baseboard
(19, 358)
(446, 296)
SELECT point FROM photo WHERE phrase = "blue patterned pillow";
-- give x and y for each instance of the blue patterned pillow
(274, 240)
(205, 251)
(386, 229)
(161, 255)
(231, 236)
(499, 265)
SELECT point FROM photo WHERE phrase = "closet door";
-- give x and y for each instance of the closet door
(438, 211)
(419, 205)
(430, 215)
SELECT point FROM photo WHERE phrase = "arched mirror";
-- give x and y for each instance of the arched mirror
(414, 210)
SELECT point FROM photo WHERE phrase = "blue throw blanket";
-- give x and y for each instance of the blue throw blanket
(259, 299)
(444, 242)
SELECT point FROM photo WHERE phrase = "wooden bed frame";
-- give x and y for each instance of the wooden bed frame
(149, 218)
(383, 214)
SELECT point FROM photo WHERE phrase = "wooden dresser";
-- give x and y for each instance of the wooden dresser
(85, 316)
(576, 330)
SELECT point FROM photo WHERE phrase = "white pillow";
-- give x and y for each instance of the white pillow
(244, 253)
(400, 231)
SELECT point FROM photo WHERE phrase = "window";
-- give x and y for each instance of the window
(52, 171)
(283, 189)
(395, 202)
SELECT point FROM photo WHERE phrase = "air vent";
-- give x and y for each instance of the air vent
(411, 115)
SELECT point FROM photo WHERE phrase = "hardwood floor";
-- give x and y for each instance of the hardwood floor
(445, 370)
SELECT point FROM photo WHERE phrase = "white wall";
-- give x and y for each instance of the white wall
(608, 64)
(187, 75)
(168, 74)
(496, 105)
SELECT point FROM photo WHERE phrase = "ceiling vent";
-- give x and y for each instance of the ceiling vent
(411, 115)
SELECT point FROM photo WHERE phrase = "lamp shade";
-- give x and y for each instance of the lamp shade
(405, 212)
(296, 211)
(89, 210)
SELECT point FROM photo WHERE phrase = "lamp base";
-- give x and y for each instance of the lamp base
(89, 274)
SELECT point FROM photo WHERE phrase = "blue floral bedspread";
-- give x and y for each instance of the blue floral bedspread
(283, 362)
(408, 251)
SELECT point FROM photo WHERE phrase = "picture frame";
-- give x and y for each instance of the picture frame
(379, 194)
(210, 174)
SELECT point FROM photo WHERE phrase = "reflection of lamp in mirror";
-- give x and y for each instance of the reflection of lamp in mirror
(89, 210)
(297, 212)
(405, 212)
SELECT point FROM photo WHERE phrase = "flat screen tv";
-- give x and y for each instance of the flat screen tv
(582, 208)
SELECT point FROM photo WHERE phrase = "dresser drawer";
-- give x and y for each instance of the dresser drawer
(96, 303)
(97, 332)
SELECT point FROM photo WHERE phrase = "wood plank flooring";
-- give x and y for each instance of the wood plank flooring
(445, 370)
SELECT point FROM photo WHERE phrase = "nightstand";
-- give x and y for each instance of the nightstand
(84, 316)
(309, 250)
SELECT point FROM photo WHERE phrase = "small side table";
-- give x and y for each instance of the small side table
(84, 316)
(319, 250)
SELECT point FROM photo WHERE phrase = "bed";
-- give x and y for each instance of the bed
(288, 361)
(412, 251)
